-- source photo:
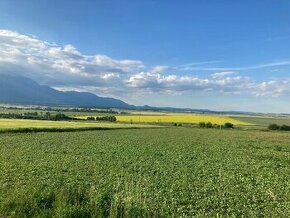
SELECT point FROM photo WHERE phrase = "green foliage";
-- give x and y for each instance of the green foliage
(167, 172)
(60, 116)
(216, 126)
(36, 116)
(208, 125)
(228, 125)
(277, 127)
(91, 118)
(273, 127)
(284, 128)
(107, 118)
(202, 124)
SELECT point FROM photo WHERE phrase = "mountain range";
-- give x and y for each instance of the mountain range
(15, 89)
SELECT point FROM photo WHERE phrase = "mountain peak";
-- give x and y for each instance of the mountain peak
(15, 89)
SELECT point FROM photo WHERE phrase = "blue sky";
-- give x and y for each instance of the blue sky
(223, 55)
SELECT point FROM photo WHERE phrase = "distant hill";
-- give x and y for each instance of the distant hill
(15, 89)
(21, 90)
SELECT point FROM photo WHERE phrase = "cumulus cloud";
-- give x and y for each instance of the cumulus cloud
(160, 69)
(110, 76)
(53, 64)
(223, 74)
(222, 83)
(66, 68)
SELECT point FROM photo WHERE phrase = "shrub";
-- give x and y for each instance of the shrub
(202, 124)
(228, 125)
(208, 125)
(285, 128)
(273, 127)
(107, 118)
(277, 127)
(60, 116)
(91, 118)
(217, 126)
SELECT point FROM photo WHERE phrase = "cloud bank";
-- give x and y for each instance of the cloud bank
(67, 68)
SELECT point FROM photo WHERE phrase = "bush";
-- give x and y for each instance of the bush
(217, 126)
(208, 125)
(60, 116)
(285, 128)
(228, 125)
(277, 127)
(202, 124)
(107, 118)
(91, 118)
(273, 127)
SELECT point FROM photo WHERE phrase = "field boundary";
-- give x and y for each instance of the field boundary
(81, 129)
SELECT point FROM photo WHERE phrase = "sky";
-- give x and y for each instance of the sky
(203, 54)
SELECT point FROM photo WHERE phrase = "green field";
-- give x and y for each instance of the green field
(167, 172)
(264, 120)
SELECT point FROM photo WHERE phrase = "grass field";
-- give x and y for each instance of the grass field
(18, 124)
(167, 172)
(264, 121)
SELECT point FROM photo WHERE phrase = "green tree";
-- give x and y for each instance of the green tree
(228, 125)
(202, 124)
(208, 125)
(273, 126)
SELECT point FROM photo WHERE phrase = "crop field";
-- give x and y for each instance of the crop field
(25, 123)
(194, 119)
(264, 121)
(164, 172)
(176, 118)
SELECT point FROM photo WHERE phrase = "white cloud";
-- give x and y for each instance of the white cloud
(219, 83)
(223, 74)
(50, 63)
(110, 76)
(160, 69)
(66, 67)
(190, 67)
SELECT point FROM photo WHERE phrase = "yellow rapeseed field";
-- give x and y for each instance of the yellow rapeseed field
(176, 118)
(215, 119)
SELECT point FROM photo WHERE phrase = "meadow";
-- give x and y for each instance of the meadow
(164, 172)
(264, 120)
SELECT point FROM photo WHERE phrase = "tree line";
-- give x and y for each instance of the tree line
(275, 126)
(37, 116)
(104, 118)
(211, 125)
(227, 125)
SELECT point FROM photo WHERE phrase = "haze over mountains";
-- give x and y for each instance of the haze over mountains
(22, 90)
(16, 89)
